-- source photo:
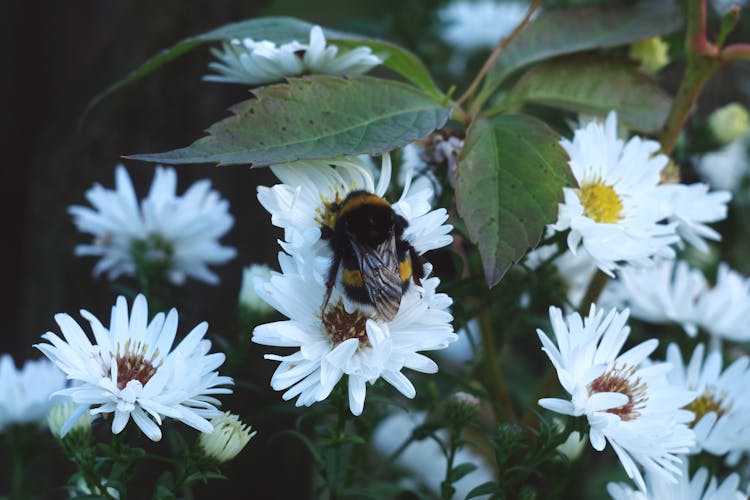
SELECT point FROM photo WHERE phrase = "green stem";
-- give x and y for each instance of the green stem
(593, 291)
(18, 478)
(494, 55)
(501, 399)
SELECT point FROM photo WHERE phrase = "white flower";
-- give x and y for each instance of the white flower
(227, 439)
(722, 410)
(248, 296)
(668, 292)
(615, 213)
(480, 24)
(253, 62)
(424, 459)
(684, 489)
(692, 207)
(343, 341)
(132, 371)
(25, 393)
(59, 416)
(627, 401)
(299, 205)
(179, 232)
(726, 167)
(724, 309)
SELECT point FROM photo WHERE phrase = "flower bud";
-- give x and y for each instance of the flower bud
(729, 122)
(61, 413)
(228, 438)
(249, 298)
(652, 53)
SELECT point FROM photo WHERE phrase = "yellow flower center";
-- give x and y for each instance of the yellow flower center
(600, 202)
(622, 380)
(706, 403)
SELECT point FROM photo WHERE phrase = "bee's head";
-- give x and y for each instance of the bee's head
(367, 217)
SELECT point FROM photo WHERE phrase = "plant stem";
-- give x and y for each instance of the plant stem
(593, 291)
(501, 399)
(495, 53)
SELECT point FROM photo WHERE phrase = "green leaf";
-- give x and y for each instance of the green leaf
(595, 84)
(487, 488)
(508, 186)
(461, 470)
(279, 30)
(315, 117)
(564, 31)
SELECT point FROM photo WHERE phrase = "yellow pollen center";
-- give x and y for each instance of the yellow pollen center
(706, 403)
(326, 213)
(342, 325)
(600, 202)
(624, 381)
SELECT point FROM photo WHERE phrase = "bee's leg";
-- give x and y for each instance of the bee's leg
(417, 266)
(399, 224)
(331, 279)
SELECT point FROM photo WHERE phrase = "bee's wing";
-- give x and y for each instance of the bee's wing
(379, 270)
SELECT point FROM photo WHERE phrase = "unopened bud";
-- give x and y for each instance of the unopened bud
(228, 438)
(59, 416)
(729, 123)
(652, 53)
(249, 298)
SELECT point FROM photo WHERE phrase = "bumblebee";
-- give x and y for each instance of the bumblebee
(367, 242)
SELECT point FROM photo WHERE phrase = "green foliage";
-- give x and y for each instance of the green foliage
(316, 117)
(595, 84)
(575, 29)
(509, 183)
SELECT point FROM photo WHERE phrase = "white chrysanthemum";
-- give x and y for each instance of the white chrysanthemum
(132, 371)
(627, 400)
(424, 459)
(299, 204)
(253, 62)
(726, 167)
(227, 439)
(615, 213)
(249, 298)
(470, 25)
(724, 309)
(25, 393)
(722, 409)
(343, 341)
(182, 232)
(576, 270)
(692, 207)
(665, 293)
(685, 488)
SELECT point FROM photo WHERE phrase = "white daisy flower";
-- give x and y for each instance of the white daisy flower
(615, 213)
(668, 292)
(249, 298)
(131, 369)
(300, 204)
(470, 25)
(179, 232)
(424, 458)
(253, 62)
(724, 309)
(627, 401)
(341, 340)
(726, 167)
(25, 393)
(722, 410)
(685, 488)
(692, 207)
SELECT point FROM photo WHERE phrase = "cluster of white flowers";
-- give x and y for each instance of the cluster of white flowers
(672, 292)
(628, 400)
(470, 25)
(620, 213)
(345, 338)
(251, 62)
(25, 393)
(131, 369)
(181, 232)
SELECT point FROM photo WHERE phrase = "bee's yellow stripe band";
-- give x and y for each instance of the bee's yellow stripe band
(362, 200)
(352, 277)
(404, 269)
